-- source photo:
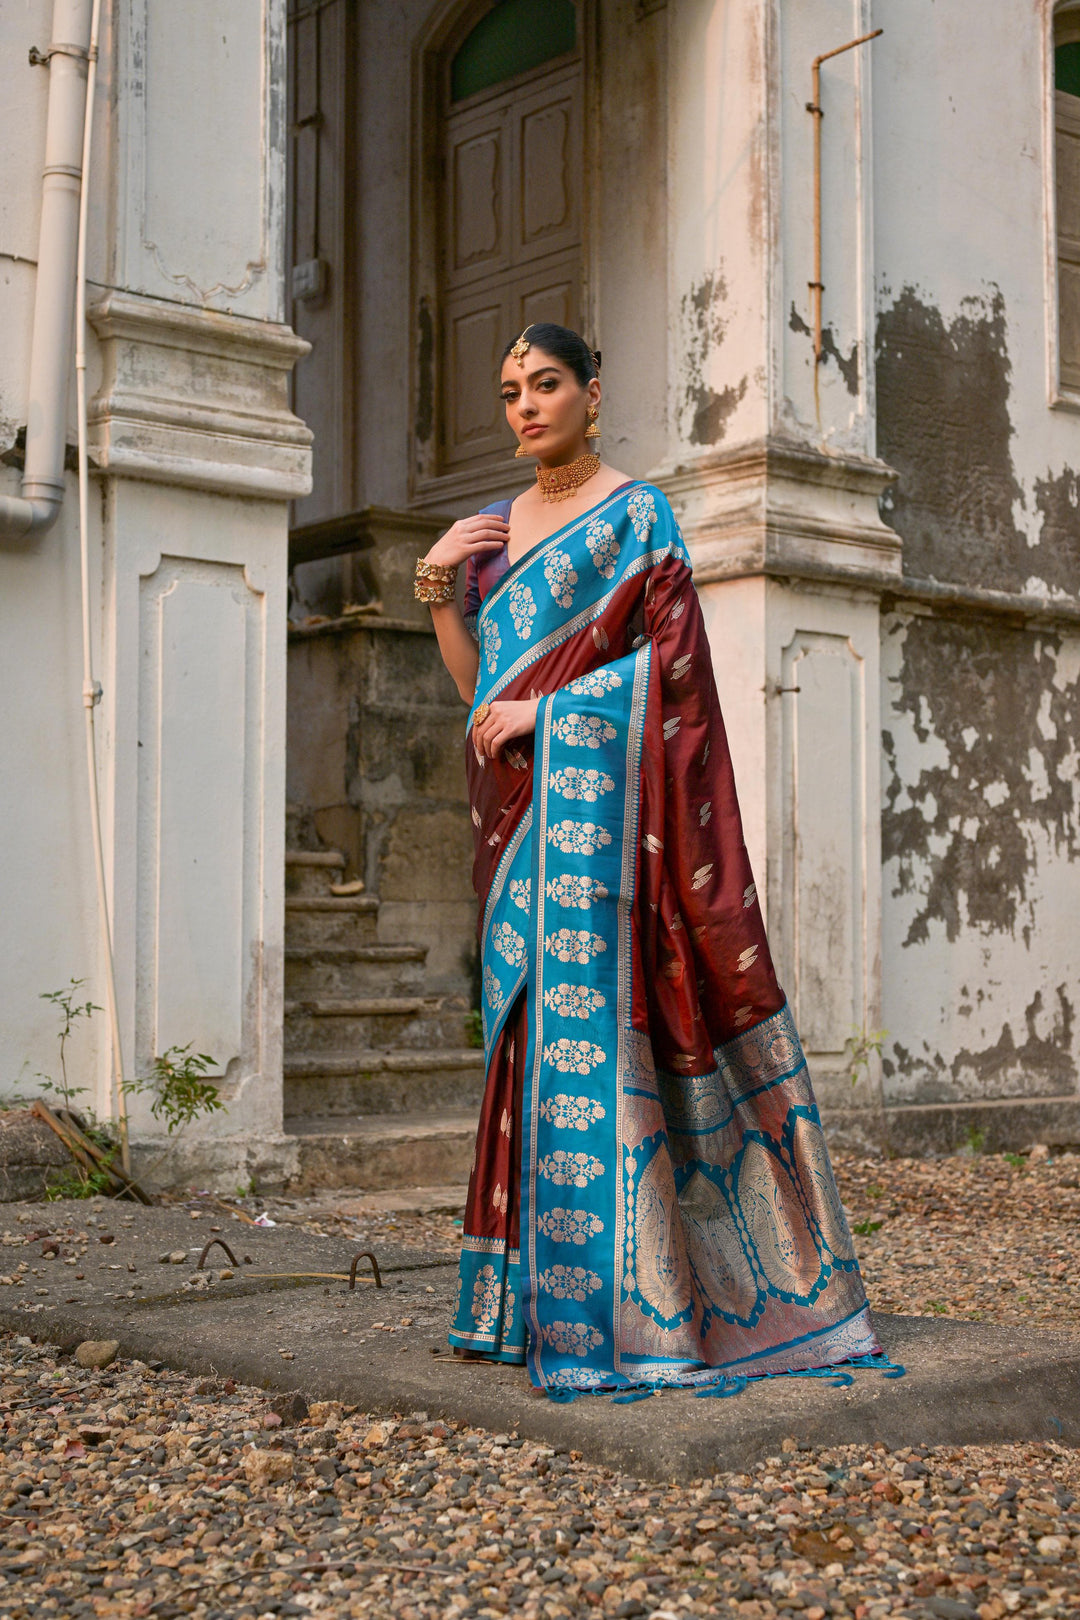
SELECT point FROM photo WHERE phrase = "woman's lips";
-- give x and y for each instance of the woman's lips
(531, 432)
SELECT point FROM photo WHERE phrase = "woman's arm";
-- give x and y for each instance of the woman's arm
(468, 537)
(459, 651)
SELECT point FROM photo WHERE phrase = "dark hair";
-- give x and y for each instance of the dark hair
(561, 344)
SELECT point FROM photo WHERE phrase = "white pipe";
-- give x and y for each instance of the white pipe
(23, 518)
(91, 690)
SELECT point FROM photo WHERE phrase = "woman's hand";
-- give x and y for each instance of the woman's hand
(504, 721)
(468, 537)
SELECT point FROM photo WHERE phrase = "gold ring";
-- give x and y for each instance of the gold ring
(482, 712)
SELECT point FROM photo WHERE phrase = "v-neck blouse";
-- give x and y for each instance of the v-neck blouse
(484, 569)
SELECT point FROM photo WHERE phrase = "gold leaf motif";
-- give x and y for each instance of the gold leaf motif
(681, 666)
(747, 959)
(702, 875)
(749, 895)
(599, 636)
(652, 844)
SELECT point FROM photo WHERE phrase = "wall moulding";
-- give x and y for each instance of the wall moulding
(771, 506)
(197, 398)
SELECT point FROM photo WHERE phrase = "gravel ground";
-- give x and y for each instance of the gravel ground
(140, 1492)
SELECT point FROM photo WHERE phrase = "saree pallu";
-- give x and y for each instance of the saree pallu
(652, 1201)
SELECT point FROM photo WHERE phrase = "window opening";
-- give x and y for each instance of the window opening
(514, 37)
(1067, 190)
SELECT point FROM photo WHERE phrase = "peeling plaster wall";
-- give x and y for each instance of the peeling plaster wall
(980, 840)
(980, 713)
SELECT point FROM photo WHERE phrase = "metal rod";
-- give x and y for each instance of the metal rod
(814, 107)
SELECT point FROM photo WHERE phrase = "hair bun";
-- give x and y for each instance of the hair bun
(596, 356)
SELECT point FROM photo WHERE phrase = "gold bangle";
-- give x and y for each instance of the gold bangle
(434, 582)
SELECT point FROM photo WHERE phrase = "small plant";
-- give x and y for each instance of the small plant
(1017, 1160)
(246, 1188)
(937, 1306)
(71, 1011)
(176, 1087)
(83, 1184)
(874, 1191)
(474, 1028)
(860, 1046)
(867, 1228)
(974, 1140)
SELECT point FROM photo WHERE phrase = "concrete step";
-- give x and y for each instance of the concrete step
(343, 970)
(381, 1151)
(312, 871)
(325, 920)
(394, 1081)
(327, 1024)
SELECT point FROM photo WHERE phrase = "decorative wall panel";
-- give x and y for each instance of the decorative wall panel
(200, 819)
(824, 814)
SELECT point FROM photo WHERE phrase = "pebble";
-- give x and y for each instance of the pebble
(97, 1352)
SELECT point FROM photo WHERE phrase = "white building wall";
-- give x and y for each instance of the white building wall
(981, 787)
(194, 456)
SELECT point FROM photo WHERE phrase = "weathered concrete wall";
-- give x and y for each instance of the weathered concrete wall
(981, 789)
(981, 838)
(376, 769)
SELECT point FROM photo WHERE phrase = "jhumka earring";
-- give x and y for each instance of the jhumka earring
(592, 431)
(521, 451)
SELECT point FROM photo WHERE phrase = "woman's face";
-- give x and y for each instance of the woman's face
(546, 405)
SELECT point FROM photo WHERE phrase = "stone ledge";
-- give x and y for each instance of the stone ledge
(196, 398)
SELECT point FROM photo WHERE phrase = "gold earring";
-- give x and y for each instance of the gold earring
(592, 431)
(521, 451)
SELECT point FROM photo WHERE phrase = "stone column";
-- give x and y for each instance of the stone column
(197, 454)
(772, 470)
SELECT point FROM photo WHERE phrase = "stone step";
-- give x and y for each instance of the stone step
(326, 1024)
(393, 1081)
(343, 970)
(318, 920)
(311, 872)
(380, 1151)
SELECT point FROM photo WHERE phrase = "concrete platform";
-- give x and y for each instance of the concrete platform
(272, 1326)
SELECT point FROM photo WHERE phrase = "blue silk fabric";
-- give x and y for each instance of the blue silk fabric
(673, 1226)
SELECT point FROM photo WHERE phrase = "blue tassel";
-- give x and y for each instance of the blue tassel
(880, 1363)
(724, 1389)
(563, 1396)
(632, 1395)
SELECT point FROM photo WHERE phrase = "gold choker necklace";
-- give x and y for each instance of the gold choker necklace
(559, 483)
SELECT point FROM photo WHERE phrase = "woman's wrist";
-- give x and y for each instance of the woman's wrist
(434, 582)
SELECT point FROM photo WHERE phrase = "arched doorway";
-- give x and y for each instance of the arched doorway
(505, 197)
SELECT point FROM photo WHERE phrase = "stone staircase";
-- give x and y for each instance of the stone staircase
(381, 1090)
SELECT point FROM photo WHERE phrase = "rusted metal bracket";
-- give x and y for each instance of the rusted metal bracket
(365, 1254)
(221, 1243)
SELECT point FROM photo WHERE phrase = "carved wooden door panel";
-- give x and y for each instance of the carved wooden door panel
(510, 237)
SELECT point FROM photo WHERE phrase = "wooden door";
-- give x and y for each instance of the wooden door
(510, 242)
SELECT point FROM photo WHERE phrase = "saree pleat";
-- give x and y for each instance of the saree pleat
(652, 1200)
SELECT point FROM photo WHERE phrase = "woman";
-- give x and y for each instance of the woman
(652, 1201)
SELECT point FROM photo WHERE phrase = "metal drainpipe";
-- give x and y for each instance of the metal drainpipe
(24, 517)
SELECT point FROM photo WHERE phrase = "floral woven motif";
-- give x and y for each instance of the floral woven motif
(561, 577)
(574, 1000)
(578, 837)
(522, 610)
(603, 547)
(574, 783)
(584, 730)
